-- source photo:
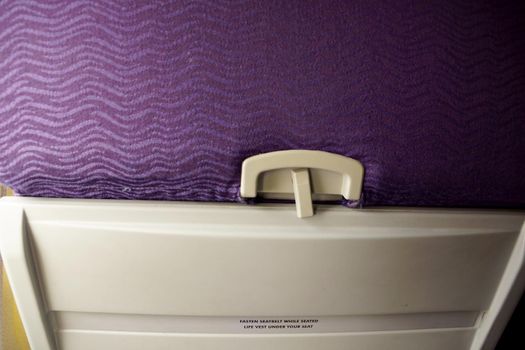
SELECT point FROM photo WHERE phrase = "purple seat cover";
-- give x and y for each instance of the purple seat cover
(164, 99)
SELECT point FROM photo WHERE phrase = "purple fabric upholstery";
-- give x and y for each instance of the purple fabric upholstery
(164, 99)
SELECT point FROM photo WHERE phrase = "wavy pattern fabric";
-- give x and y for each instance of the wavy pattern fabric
(164, 99)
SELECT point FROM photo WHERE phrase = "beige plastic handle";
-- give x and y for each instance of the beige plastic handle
(347, 182)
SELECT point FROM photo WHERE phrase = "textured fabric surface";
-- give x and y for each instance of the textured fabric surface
(164, 99)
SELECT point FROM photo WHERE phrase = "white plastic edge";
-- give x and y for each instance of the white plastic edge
(15, 247)
(505, 299)
(19, 265)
